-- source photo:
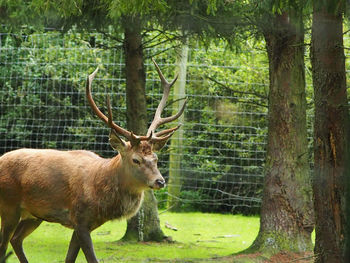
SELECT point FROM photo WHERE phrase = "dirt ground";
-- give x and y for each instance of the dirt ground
(282, 257)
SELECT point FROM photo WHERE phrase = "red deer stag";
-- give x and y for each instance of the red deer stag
(79, 189)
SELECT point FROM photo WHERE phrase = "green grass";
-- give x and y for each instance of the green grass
(199, 235)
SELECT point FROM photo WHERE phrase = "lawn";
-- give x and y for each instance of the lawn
(199, 235)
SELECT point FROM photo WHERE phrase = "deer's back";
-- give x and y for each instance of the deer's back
(46, 183)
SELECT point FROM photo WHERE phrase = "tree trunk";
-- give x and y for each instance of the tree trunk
(175, 182)
(331, 130)
(286, 220)
(145, 225)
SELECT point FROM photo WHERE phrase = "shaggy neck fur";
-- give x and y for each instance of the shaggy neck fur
(119, 195)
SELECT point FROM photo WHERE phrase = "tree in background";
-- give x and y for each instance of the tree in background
(145, 225)
(287, 212)
(287, 209)
(331, 131)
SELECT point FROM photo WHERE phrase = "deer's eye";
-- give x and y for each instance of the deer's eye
(136, 161)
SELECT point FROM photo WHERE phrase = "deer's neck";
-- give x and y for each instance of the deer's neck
(118, 197)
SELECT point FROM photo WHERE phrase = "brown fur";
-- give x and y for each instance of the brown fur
(47, 183)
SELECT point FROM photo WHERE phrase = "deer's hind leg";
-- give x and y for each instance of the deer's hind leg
(24, 228)
(9, 220)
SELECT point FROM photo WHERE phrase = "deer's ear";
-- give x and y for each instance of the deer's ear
(158, 145)
(116, 142)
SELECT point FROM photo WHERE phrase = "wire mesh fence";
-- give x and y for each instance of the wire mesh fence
(222, 150)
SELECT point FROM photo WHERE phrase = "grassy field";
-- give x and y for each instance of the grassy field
(199, 235)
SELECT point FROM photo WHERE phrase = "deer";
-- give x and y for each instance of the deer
(79, 189)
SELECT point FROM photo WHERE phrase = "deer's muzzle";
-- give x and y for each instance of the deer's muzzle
(158, 184)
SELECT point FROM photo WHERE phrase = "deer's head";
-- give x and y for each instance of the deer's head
(138, 156)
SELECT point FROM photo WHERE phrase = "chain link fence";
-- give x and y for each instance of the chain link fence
(43, 105)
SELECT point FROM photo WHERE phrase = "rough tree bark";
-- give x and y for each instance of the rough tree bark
(175, 182)
(331, 130)
(286, 214)
(145, 225)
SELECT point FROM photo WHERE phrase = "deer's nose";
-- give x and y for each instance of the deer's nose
(160, 183)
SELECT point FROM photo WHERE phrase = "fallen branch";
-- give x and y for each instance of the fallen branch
(167, 225)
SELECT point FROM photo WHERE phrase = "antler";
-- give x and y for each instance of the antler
(161, 136)
(134, 139)
(158, 120)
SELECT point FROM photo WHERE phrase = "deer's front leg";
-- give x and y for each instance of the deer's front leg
(85, 242)
(74, 247)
